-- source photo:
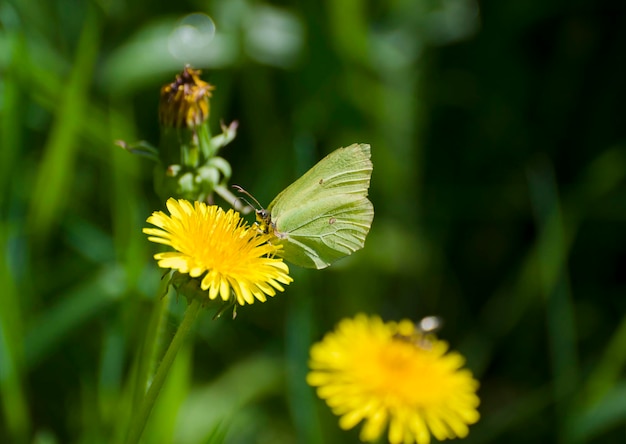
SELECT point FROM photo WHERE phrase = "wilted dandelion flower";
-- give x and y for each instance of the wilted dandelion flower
(185, 102)
(391, 374)
(219, 249)
(187, 162)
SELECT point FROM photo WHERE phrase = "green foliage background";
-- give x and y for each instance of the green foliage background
(498, 135)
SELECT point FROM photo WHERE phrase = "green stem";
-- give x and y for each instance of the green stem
(138, 423)
(152, 344)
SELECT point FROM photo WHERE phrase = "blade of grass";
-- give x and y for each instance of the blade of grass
(153, 343)
(126, 201)
(209, 406)
(162, 422)
(55, 172)
(10, 119)
(16, 411)
(348, 22)
(145, 363)
(609, 411)
(552, 259)
(111, 374)
(48, 329)
(509, 304)
(141, 416)
(298, 338)
(610, 367)
(16, 414)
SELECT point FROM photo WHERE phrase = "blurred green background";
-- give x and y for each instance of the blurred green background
(498, 133)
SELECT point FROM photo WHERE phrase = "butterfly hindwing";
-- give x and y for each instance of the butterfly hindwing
(337, 228)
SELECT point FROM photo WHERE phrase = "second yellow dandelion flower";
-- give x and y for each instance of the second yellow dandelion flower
(384, 375)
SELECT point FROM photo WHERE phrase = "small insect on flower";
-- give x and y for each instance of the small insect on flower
(422, 332)
(371, 371)
(229, 258)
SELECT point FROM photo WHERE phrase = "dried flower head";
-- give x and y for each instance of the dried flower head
(185, 101)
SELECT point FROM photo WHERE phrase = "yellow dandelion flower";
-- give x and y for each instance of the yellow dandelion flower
(231, 256)
(390, 374)
(185, 101)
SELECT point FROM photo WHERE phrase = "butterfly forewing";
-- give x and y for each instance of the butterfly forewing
(344, 171)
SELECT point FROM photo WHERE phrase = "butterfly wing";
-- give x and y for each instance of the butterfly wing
(325, 214)
(326, 230)
(344, 171)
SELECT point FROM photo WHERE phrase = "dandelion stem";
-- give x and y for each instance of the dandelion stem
(138, 423)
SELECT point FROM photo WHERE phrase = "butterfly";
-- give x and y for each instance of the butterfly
(325, 214)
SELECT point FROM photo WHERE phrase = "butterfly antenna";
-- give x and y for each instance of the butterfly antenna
(242, 191)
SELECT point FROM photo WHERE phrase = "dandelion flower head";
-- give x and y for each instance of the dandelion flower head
(389, 374)
(185, 102)
(220, 249)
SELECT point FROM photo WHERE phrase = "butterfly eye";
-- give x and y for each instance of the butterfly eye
(261, 216)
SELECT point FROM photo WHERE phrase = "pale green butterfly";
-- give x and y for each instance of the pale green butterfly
(325, 214)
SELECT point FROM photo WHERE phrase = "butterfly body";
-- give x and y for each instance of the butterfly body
(325, 214)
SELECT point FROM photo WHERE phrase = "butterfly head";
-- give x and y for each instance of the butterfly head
(264, 220)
